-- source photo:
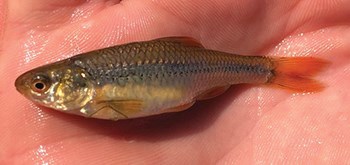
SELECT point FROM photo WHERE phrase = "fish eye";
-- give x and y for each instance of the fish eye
(40, 84)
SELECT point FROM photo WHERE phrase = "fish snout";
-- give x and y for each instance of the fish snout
(20, 83)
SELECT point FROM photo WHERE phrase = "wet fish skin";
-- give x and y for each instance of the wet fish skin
(67, 86)
(143, 78)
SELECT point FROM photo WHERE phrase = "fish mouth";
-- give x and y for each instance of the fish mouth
(19, 84)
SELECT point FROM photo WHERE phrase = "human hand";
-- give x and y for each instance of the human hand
(245, 125)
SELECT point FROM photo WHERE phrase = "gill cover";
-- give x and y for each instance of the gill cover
(73, 91)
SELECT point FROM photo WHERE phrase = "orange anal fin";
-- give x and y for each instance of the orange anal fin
(296, 73)
(180, 107)
(213, 92)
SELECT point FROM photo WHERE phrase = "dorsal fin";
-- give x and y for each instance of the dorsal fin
(188, 41)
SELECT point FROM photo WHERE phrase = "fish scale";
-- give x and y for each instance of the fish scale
(158, 76)
(190, 70)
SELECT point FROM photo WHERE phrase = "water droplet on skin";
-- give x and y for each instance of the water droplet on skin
(305, 44)
(129, 139)
(43, 154)
(33, 46)
(40, 155)
(87, 25)
(260, 102)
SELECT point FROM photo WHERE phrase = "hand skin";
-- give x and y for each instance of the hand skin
(246, 125)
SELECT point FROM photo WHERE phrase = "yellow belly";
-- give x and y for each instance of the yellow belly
(150, 100)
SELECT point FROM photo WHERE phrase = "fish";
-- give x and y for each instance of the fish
(157, 76)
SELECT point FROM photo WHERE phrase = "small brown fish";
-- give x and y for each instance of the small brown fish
(158, 76)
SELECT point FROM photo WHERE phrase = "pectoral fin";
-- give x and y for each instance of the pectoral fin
(116, 109)
(213, 92)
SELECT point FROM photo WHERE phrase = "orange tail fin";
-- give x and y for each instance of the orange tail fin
(295, 73)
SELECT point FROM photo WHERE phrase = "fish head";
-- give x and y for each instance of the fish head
(58, 86)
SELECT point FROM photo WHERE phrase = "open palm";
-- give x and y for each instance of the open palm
(246, 124)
